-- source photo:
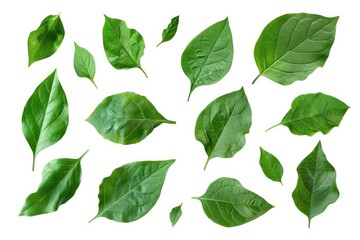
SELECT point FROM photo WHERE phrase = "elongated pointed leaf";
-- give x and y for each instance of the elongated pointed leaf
(170, 31)
(316, 186)
(292, 46)
(60, 180)
(126, 118)
(271, 166)
(175, 214)
(132, 190)
(208, 57)
(44, 41)
(312, 113)
(84, 63)
(45, 117)
(228, 203)
(123, 46)
(221, 127)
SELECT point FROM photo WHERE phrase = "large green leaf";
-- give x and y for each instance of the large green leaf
(45, 117)
(271, 166)
(60, 180)
(292, 46)
(84, 63)
(123, 46)
(132, 190)
(222, 125)
(312, 113)
(126, 118)
(228, 203)
(208, 57)
(46, 39)
(316, 186)
(175, 214)
(170, 31)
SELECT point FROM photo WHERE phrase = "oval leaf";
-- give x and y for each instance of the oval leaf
(316, 186)
(44, 41)
(126, 118)
(132, 190)
(312, 113)
(208, 57)
(271, 166)
(292, 46)
(60, 180)
(45, 117)
(175, 214)
(170, 31)
(123, 46)
(228, 203)
(222, 125)
(84, 63)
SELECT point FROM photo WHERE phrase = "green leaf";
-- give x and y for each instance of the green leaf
(208, 57)
(60, 180)
(44, 41)
(228, 203)
(271, 166)
(126, 118)
(175, 214)
(45, 117)
(222, 125)
(312, 113)
(84, 63)
(292, 46)
(132, 190)
(316, 186)
(170, 31)
(123, 46)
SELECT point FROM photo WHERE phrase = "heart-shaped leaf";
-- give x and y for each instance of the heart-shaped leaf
(170, 31)
(84, 63)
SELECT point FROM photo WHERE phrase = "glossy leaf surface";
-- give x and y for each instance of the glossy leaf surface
(84, 63)
(169, 32)
(271, 166)
(175, 214)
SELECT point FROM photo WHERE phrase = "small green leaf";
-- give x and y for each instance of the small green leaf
(175, 214)
(208, 57)
(126, 118)
(221, 127)
(170, 31)
(60, 180)
(312, 113)
(84, 63)
(292, 46)
(132, 190)
(44, 41)
(123, 46)
(271, 166)
(316, 186)
(45, 117)
(228, 203)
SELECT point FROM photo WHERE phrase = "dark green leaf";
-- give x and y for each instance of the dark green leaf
(170, 31)
(175, 214)
(228, 203)
(271, 166)
(292, 46)
(44, 41)
(316, 186)
(222, 125)
(208, 57)
(312, 113)
(132, 190)
(84, 63)
(126, 118)
(60, 180)
(123, 46)
(45, 117)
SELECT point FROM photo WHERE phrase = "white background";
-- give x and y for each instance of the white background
(167, 87)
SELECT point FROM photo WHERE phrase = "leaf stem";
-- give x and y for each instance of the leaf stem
(170, 122)
(159, 44)
(33, 163)
(272, 127)
(309, 220)
(256, 78)
(93, 218)
(207, 162)
(143, 71)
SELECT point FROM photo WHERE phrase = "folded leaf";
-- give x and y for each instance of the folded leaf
(126, 118)
(292, 46)
(132, 190)
(271, 166)
(170, 31)
(45, 117)
(175, 214)
(208, 57)
(84, 63)
(316, 186)
(228, 203)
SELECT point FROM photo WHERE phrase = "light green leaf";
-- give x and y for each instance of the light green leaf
(84, 63)
(271, 166)
(170, 31)
(175, 214)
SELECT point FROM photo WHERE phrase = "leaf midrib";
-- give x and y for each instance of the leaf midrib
(311, 116)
